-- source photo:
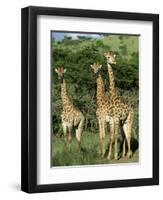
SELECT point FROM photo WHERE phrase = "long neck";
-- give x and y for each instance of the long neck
(65, 99)
(112, 89)
(100, 90)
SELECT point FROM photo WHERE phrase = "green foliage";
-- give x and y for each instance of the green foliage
(100, 43)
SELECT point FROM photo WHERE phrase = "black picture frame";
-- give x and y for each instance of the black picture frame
(29, 99)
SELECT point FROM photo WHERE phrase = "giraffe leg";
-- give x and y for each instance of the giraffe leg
(64, 126)
(129, 153)
(111, 125)
(128, 138)
(116, 139)
(78, 138)
(124, 148)
(101, 137)
(79, 131)
(69, 133)
(127, 127)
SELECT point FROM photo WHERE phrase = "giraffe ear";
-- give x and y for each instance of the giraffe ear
(115, 55)
(91, 66)
(100, 66)
(56, 70)
(64, 70)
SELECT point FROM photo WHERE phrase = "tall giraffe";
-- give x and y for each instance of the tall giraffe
(103, 111)
(123, 113)
(71, 116)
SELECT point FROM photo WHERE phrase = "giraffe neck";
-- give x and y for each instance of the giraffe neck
(100, 90)
(65, 99)
(112, 89)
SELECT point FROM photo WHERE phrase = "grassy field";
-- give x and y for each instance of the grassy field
(89, 154)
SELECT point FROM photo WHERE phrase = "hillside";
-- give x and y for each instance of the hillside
(122, 44)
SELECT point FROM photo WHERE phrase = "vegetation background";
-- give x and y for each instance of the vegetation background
(76, 55)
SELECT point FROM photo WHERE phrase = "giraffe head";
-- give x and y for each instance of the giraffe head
(96, 68)
(60, 72)
(110, 56)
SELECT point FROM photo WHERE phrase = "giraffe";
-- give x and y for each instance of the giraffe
(71, 116)
(123, 113)
(103, 109)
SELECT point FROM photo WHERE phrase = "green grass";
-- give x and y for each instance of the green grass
(88, 155)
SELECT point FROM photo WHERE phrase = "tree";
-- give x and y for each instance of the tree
(123, 51)
(67, 40)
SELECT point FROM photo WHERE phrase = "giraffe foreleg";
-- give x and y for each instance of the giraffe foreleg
(69, 133)
(64, 127)
(101, 137)
(124, 148)
(111, 125)
(116, 131)
(128, 138)
(127, 127)
(79, 131)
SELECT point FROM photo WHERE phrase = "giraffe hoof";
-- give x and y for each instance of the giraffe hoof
(116, 157)
(109, 157)
(79, 148)
(101, 154)
(129, 154)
